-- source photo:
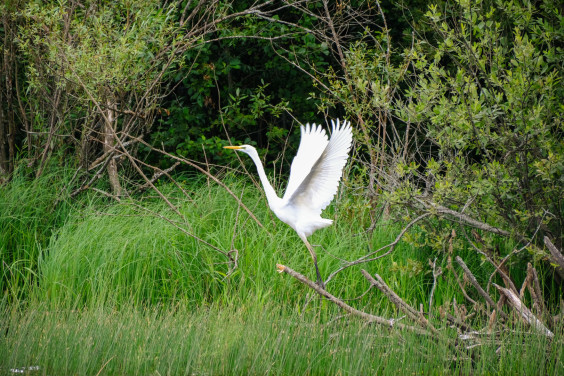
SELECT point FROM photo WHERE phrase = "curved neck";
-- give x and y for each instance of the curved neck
(268, 189)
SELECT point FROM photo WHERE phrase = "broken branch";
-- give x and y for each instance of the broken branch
(523, 311)
(379, 283)
(366, 316)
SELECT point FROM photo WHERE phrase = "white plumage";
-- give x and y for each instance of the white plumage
(314, 179)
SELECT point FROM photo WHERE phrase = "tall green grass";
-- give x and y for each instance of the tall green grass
(30, 210)
(114, 288)
(126, 253)
(107, 253)
(254, 339)
(122, 254)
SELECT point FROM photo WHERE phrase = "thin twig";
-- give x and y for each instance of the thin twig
(391, 247)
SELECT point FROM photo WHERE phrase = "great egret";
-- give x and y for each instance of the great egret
(314, 179)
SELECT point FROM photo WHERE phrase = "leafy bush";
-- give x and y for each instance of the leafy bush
(488, 101)
(470, 118)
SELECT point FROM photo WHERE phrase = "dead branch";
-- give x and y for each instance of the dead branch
(523, 311)
(107, 194)
(491, 321)
(462, 289)
(525, 285)
(453, 271)
(389, 323)
(489, 256)
(477, 286)
(436, 273)
(556, 256)
(379, 283)
(534, 289)
(158, 174)
(95, 177)
(464, 218)
(105, 155)
(233, 250)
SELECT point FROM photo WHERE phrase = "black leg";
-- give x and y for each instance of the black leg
(314, 257)
(320, 282)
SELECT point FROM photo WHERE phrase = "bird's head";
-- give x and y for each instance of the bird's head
(247, 149)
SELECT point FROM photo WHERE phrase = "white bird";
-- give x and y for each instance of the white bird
(314, 180)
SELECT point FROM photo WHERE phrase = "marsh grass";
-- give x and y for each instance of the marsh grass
(112, 288)
(119, 253)
(256, 339)
(30, 211)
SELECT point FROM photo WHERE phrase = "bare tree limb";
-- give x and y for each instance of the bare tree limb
(523, 311)
(556, 256)
(389, 323)
(95, 177)
(462, 289)
(477, 286)
(439, 209)
(534, 289)
(158, 174)
(436, 273)
(379, 283)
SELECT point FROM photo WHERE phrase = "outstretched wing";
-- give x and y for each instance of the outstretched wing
(317, 190)
(313, 142)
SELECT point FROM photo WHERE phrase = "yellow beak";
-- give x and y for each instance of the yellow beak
(232, 147)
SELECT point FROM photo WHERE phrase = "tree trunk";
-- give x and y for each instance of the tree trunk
(4, 165)
(109, 144)
(7, 108)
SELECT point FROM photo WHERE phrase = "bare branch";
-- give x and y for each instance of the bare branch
(391, 323)
(95, 177)
(523, 311)
(437, 271)
(488, 256)
(477, 286)
(534, 289)
(158, 174)
(556, 256)
(464, 218)
(379, 283)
